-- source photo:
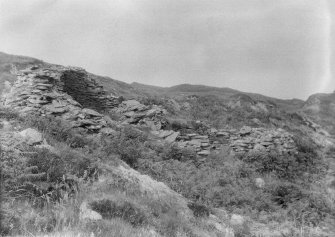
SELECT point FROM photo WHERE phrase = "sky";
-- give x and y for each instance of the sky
(279, 48)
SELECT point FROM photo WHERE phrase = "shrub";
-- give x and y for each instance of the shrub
(242, 230)
(301, 165)
(77, 141)
(174, 152)
(8, 114)
(285, 193)
(199, 210)
(125, 210)
(49, 163)
(128, 144)
(176, 124)
(54, 127)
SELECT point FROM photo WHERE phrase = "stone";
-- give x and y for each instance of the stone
(259, 147)
(86, 122)
(213, 130)
(205, 144)
(31, 136)
(200, 137)
(152, 112)
(129, 114)
(55, 110)
(5, 125)
(267, 138)
(27, 109)
(245, 130)
(256, 121)
(237, 220)
(162, 133)
(37, 101)
(192, 135)
(225, 134)
(108, 131)
(92, 113)
(266, 144)
(195, 143)
(45, 145)
(133, 105)
(152, 125)
(204, 153)
(172, 138)
(259, 182)
(88, 214)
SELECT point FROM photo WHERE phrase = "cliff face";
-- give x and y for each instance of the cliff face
(61, 91)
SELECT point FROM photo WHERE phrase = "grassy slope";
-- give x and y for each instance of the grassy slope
(240, 187)
(6, 60)
(132, 204)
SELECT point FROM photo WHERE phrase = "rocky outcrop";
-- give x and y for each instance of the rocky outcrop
(133, 112)
(64, 92)
(321, 108)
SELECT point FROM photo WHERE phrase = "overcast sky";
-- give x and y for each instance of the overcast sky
(280, 48)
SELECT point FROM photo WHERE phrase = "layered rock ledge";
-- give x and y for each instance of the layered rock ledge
(66, 92)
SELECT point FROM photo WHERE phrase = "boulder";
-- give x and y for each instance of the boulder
(221, 133)
(153, 112)
(200, 137)
(108, 131)
(31, 136)
(245, 130)
(87, 214)
(195, 143)
(205, 144)
(132, 105)
(204, 153)
(5, 125)
(237, 220)
(259, 147)
(55, 110)
(172, 138)
(92, 113)
(259, 182)
(162, 133)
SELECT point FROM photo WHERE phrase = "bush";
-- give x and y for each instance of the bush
(49, 163)
(126, 210)
(311, 210)
(305, 164)
(54, 127)
(174, 152)
(284, 193)
(242, 230)
(199, 210)
(8, 114)
(128, 144)
(176, 124)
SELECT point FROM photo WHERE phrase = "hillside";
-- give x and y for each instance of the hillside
(321, 107)
(85, 155)
(6, 62)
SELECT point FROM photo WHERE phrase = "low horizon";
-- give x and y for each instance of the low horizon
(164, 87)
(275, 48)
